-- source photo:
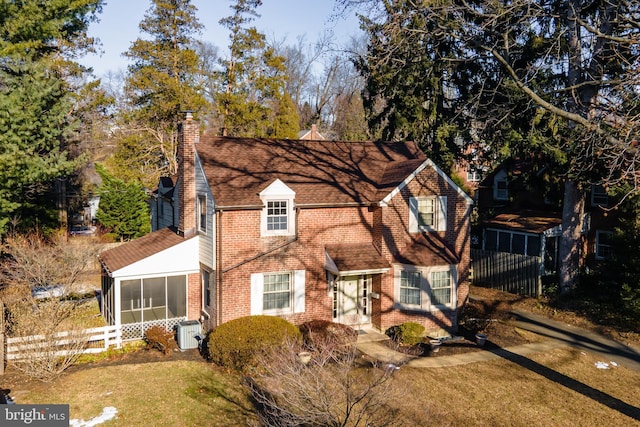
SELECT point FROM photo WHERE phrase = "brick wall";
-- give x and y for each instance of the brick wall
(194, 296)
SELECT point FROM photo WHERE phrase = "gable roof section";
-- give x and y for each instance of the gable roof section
(426, 163)
(136, 250)
(320, 172)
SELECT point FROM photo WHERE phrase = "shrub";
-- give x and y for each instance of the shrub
(320, 333)
(159, 338)
(408, 333)
(234, 344)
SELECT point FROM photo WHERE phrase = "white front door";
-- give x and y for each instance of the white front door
(353, 305)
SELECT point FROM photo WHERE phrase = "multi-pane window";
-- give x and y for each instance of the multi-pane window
(599, 196)
(277, 292)
(603, 244)
(277, 215)
(427, 212)
(410, 287)
(474, 174)
(441, 287)
(202, 209)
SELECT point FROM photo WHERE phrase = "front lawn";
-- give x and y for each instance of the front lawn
(559, 388)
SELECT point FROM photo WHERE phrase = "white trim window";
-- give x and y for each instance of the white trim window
(441, 288)
(501, 186)
(410, 284)
(474, 174)
(277, 217)
(202, 213)
(427, 214)
(278, 293)
(603, 244)
(425, 288)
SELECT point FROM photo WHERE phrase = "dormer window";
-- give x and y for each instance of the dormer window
(277, 217)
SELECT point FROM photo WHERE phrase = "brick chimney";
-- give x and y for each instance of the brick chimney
(314, 132)
(188, 135)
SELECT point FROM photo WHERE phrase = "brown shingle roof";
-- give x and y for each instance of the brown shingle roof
(356, 257)
(320, 172)
(427, 249)
(139, 249)
(533, 223)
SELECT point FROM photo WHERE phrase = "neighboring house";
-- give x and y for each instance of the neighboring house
(311, 134)
(369, 234)
(521, 214)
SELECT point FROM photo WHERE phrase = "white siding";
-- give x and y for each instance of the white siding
(207, 247)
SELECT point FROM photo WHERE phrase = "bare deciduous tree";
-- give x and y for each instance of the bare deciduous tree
(328, 386)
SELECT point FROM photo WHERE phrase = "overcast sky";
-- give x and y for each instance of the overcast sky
(118, 26)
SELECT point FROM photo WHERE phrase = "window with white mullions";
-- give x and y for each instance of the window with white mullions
(427, 212)
(277, 215)
(410, 287)
(277, 292)
(441, 287)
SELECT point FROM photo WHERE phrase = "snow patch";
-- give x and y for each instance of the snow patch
(107, 413)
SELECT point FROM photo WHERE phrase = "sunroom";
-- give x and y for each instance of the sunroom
(141, 289)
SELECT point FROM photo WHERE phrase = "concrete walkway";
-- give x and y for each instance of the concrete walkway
(559, 335)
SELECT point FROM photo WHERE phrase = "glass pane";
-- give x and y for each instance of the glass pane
(517, 244)
(440, 287)
(504, 242)
(276, 300)
(176, 296)
(277, 293)
(490, 240)
(533, 245)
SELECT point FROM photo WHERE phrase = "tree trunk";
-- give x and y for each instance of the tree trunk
(570, 241)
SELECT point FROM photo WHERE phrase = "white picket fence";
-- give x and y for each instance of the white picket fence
(94, 340)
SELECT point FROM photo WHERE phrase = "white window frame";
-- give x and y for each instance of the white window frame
(277, 192)
(474, 174)
(296, 289)
(433, 280)
(439, 204)
(601, 246)
(205, 288)
(501, 193)
(202, 213)
(426, 280)
(412, 278)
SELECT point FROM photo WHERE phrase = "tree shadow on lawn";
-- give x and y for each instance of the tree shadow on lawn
(570, 383)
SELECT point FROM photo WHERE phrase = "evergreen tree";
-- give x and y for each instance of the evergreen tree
(252, 80)
(38, 112)
(163, 82)
(535, 78)
(123, 208)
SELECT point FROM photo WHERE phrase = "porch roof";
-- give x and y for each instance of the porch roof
(427, 249)
(355, 258)
(136, 250)
(524, 222)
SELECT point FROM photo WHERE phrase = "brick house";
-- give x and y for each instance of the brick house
(363, 233)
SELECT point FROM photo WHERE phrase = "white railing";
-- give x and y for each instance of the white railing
(94, 340)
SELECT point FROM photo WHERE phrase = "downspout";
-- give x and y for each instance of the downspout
(218, 296)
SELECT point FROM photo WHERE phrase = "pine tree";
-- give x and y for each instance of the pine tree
(123, 208)
(163, 81)
(38, 115)
(252, 80)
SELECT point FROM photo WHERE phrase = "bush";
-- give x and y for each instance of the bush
(320, 333)
(408, 333)
(160, 339)
(234, 344)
